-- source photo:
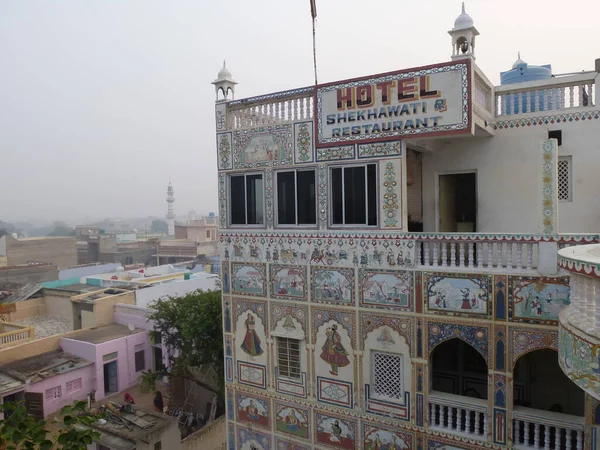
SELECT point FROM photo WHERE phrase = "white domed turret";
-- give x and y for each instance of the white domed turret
(518, 62)
(463, 21)
(224, 83)
(463, 36)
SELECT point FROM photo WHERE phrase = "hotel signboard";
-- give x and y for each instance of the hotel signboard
(425, 101)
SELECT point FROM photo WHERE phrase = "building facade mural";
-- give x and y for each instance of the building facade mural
(537, 299)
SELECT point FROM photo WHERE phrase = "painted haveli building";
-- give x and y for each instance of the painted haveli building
(389, 251)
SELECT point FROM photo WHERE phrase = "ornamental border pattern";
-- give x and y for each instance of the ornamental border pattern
(546, 120)
(578, 266)
(225, 150)
(525, 340)
(304, 142)
(549, 189)
(402, 325)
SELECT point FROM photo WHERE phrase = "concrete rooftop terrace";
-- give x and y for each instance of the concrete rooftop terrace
(43, 366)
(104, 334)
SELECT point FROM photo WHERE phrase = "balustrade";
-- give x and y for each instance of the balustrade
(536, 429)
(458, 415)
(469, 253)
(574, 91)
(18, 333)
(271, 109)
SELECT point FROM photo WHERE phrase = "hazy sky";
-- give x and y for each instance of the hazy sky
(101, 101)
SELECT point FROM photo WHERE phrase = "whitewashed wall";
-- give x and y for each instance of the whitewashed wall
(143, 297)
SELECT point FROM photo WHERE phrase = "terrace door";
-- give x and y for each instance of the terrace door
(34, 401)
(111, 384)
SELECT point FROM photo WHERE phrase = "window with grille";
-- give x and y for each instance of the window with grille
(53, 393)
(387, 376)
(564, 178)
(73, 385)
(140, 359)
(288, 357)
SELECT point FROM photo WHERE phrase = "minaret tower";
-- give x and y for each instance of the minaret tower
(170, 210)
(463, 36)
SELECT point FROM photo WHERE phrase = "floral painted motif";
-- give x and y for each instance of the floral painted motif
(336, 153)
(224, 151)
(322, 180)
(390, 196)
(546, 120)
(380, 149)
(304, 144)
(222, 201)
(549, 168)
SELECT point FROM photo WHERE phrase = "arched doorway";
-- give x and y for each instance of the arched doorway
(542, 391)
(457, 368)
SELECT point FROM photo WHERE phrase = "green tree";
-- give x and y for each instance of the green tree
(159, 226)
(191, 328)
(20, 430)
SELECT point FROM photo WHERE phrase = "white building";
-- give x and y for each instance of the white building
(389, 258)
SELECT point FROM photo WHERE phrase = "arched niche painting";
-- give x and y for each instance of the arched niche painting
(250, 338)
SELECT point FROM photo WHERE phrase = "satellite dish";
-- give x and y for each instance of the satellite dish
(131, 327)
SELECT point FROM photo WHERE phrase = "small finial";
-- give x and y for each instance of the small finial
(223, 64)
(463, 7)
(519, 55)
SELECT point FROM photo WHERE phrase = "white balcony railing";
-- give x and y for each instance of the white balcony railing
(536, 429)
(583, 312)
(472, 252)
(556, 94)
(271, 109)
(459, 415)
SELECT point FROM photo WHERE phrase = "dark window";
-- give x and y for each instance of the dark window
(354, 195)
(158, 446)
(288, 357)
(140, 361)
(296, 198)
(246, 200)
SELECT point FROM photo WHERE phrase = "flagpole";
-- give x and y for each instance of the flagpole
(313, 11)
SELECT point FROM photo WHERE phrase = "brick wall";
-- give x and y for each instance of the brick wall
(61, 251)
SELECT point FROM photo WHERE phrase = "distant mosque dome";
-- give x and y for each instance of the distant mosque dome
(464, 20)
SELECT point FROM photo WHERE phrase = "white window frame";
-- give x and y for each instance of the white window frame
(280, 340)
(378, 395)
(276, 198)
(264, 212)
(330, 196)
(569, 160)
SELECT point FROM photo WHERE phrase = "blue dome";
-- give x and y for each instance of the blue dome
(522, 72)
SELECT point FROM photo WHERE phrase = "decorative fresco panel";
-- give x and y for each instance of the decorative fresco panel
(332, 285)
(500, 297)
(476, 336)
(335, 432)
(254, 410)
(320, 249)
(224, 151)
(303, 142)
(402, 325)
(248, 279)
(525, 340)
(265, 146)
(380, 149)
(281, 310)
(292, 419)
(376, 437)
(269, 210)
(227, 316)
(549, 212)
(500, 353)
(322, 199)
(222, 201)
(286, 444)
(343, 317)
(225, 277)
(231, 436)
(545, 120)
(500, 390)
(335, 392)
(221, 116)
(230, 407)
(386, 289)
(537, 299)
(253, 375)
(390, 191)
(580, 360)
(459, 294)
(341, 153)
(252, 439)
(288, 281)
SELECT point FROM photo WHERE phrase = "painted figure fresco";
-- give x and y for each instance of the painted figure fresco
(379, 439)
(333, 352)
(458, 294)
(386, 288)
(253, 410)
(335, 432)
(288, 282)
(262, 149)
(248, 280)
(335, 285)
(538, 298)
(251, 343)
(293, 421)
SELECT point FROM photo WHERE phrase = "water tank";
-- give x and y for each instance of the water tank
(211, 214)
(522, 72)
